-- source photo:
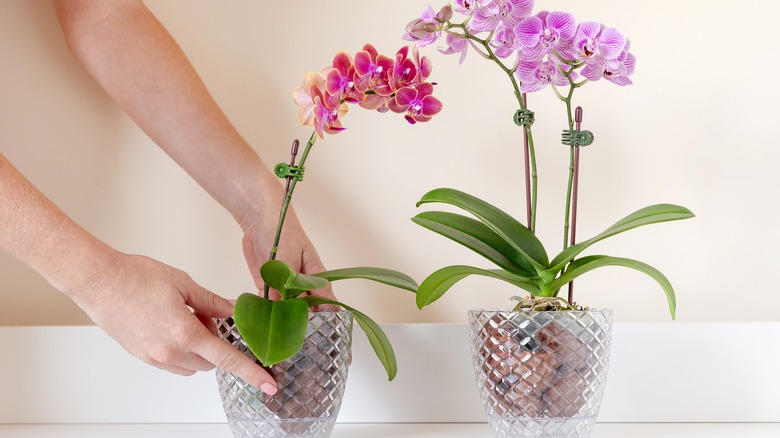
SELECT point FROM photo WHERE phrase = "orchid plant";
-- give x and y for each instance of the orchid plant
(275, 330)
(534, 51)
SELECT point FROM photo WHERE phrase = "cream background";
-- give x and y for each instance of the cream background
(696, 130)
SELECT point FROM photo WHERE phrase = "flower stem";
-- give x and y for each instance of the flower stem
(528, 139)
(288, 193)
(527, 160)
(570, 183)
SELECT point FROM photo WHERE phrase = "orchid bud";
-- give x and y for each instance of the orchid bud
(419, 28)
(445, 14)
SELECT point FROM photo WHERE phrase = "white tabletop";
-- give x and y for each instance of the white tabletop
(417, 430)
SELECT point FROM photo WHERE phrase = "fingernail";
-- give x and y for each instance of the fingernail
(268, 388)
(232, 302)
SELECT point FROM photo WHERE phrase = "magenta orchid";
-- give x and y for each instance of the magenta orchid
(418, 103)
(373, 81)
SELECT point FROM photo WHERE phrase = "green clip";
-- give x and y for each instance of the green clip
(524, 117)
(572, 137)
(284, 170)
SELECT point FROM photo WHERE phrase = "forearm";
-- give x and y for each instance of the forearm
(139, 64)
(34, 230)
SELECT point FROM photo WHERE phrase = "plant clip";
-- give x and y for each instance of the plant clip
(574, 137)
(524, 117)
(284, 170)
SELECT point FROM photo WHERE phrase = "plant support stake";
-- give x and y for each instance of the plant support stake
(527, 157)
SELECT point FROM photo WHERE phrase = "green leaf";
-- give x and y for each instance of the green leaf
(381, 275)
(507, 227)
(289, 283)
(645, 216)
(586, 264)
(376, 336)
(477, 237)
(273, 330)
(439, 282)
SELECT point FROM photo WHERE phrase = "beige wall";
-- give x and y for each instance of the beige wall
(697, 129)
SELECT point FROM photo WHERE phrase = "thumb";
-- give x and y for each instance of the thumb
(207, 303)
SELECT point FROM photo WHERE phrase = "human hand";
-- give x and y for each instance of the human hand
(295, 249)
(160, 315)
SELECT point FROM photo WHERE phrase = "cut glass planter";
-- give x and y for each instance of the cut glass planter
(541, 374)
(310, 384)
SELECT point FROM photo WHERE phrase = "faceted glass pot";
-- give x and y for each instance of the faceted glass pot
(541, 374)
(310, 384)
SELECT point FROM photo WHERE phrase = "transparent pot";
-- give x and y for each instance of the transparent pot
(541, 374)
(310, 384)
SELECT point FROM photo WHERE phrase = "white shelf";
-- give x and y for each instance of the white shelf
(659, 373)
(344, 430)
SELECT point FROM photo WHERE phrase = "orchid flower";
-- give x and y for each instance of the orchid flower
(536, 75)
(545, 33)
(491, 14)
(619, 74)
(594, 42)
(456, 44)
(341, 79)
(417, 102)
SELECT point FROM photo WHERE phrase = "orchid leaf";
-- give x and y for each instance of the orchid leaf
(586, 264)
(504, 225)
(439, 282)
(381, 275)
(477, 237)
(278, 275)
(376, 336)
(273, 330)
(645, 216)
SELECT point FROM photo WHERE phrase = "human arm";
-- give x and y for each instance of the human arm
(131, 55)
(141, 303)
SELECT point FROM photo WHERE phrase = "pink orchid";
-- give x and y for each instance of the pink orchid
(404, 71)
(594, 42)
(545, 33)
(537, 74)
(372, 71)
(417, 102)
(456, 44)
(374, 82)
(341, 79)
(303, 97)
(424, 30)
(467, 7)
(503, 42)
(624, 66)
(488, 15)
(327, 112)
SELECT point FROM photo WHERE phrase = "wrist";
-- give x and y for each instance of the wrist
(259, 199)
(83, 276)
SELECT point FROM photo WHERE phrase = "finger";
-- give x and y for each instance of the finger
(311, 263)
(227, 358)
(325, 293)
(208, 322)
(187, 365)
(173, 369)
(206, 303)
